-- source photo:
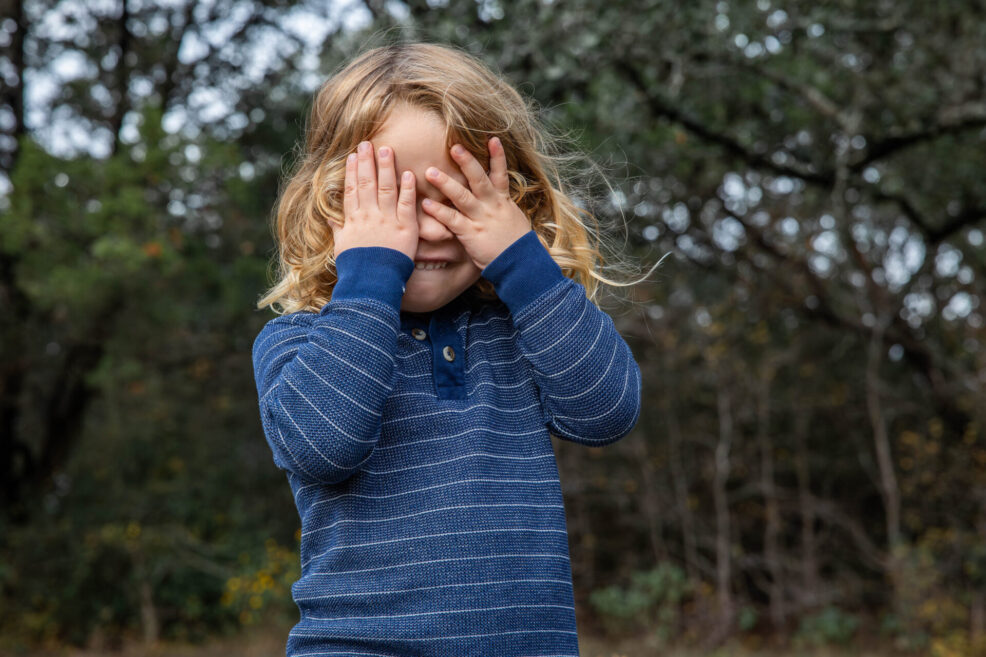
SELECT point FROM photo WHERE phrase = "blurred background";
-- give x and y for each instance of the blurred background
(809, 470)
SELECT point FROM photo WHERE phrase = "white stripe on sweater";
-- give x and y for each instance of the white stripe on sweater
(458, 411)
(308, 440)
(319, 411)
(437, 586)
(434, 638)
(436, 510)
(523, 555)
(443, 611)
(459, 458)
(418, 490)
(423, 536)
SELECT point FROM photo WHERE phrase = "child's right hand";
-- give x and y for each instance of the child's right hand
(376, 211)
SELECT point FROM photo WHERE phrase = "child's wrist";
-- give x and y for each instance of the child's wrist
(522, 272)
(377, 272)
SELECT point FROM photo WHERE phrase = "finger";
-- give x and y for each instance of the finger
(450, 217)
(498, 167)
(479, 183)
(366, 177)
(453, 190)
(405, 203)
(386, 179)
(350, 203)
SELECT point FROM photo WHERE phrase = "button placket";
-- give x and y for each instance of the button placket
(449, 371)
(447, 351)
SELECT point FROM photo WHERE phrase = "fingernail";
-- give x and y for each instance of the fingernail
(407, 177)
(364, 147)
(432, 172)
(351, 158)
(458, 150)
(426, 202)
(384, 151)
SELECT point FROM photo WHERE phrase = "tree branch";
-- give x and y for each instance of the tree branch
(934, 235)
(950, 120)
(661, 107)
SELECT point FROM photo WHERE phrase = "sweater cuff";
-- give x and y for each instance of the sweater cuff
(522, 272)
(377, 272)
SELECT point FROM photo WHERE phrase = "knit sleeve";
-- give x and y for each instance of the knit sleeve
(322, 378)
(589, 381)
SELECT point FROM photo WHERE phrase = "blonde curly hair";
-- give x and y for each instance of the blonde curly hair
(475, 104)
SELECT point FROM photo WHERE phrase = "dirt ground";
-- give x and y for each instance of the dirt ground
(269, 642)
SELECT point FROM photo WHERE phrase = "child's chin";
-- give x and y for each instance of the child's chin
(423, 301)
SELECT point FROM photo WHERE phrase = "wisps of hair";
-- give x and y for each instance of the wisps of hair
(475, 104)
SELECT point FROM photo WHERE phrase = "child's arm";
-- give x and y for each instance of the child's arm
(322, 379)
(589, 382)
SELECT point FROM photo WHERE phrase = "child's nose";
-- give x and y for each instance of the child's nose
(431, 229)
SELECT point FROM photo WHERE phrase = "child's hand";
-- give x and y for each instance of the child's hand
(484, 219)
(375, 214)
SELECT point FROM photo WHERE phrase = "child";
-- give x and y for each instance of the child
(425, 352)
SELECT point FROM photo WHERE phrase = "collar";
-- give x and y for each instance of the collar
(445, 315)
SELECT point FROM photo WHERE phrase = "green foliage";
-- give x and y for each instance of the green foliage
(652, 600)
(88, 234)
(151, 506)
(831, 625)
(259, 589)
(928, 614)
(194, 586)
(747, 617)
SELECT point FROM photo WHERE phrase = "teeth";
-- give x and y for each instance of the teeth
(430, 265)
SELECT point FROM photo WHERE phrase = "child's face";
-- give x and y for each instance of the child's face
(417, 138)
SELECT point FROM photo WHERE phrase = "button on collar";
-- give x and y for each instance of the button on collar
(440, 328)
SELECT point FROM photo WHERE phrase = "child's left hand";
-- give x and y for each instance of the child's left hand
(485, 219)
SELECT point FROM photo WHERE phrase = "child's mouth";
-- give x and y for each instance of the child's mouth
(429, 266)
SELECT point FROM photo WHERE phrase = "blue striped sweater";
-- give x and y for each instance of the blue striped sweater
(418, 449)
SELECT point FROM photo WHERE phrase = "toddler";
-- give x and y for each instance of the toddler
(432, 337)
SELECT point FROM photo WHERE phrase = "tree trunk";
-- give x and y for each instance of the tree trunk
(806, 503)
(649, 502)
(122, 76)
(888, 479)
(724, 574)
(977, 608)
(679, 480)
(772, 520)
(148, 612)
(12, 90)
